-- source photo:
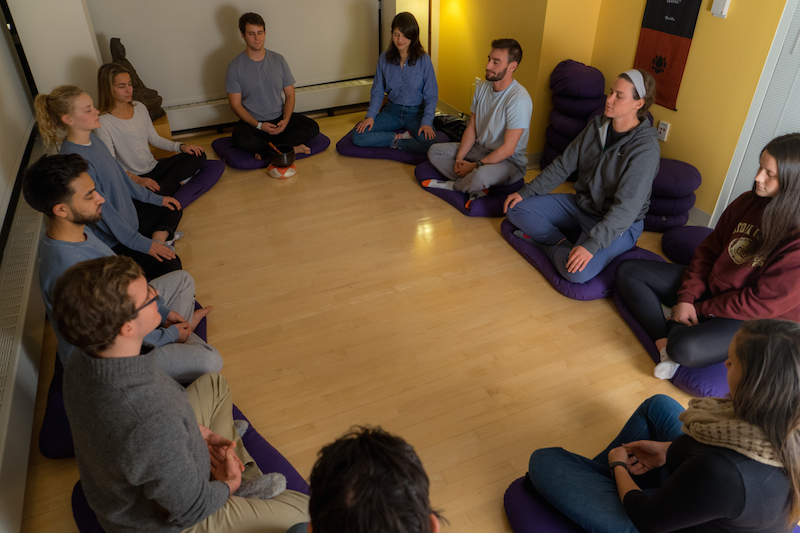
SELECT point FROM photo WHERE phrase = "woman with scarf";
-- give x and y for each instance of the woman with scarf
(723, 464)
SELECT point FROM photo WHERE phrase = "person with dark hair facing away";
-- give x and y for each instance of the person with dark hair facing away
(617, 157)
(404, 74)
(722, 465)
(369, 480)
(254, 82)
(152, 455)
(131, 212)
(60, 187)
(128, 132)
(493, 147)
(748, 267)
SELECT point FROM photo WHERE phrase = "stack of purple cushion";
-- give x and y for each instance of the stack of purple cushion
(578, 94)
(673, 195)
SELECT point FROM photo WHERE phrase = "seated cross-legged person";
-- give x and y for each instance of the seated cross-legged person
(748, 267)
(404, 74)
(254, 82)
(617, 157)
(152, 455)
(722, 465)
(131, 211)
(369, 480)
(60, 187)
(492, 149)
(127, 131)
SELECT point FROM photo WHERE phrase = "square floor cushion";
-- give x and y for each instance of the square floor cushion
(528, 512)
(598, 287)
(266, 457)
(345, 146)
(490, 205)
(242, 160)
(200, 183)
(708, 381)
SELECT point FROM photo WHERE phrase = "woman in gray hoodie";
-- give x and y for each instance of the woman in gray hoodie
(617, 157)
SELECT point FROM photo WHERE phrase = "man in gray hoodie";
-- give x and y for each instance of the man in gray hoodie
(617, 157)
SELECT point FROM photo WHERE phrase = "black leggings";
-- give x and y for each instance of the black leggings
(299, 130)
(170, 172)
(645, 285)
(153, 218)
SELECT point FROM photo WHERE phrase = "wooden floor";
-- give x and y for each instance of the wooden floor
(348, 295)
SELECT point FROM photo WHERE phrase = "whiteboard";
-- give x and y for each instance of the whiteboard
(181, 48)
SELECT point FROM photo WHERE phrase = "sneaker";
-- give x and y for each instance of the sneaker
(177, 235)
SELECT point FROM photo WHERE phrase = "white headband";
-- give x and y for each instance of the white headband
(638, 81)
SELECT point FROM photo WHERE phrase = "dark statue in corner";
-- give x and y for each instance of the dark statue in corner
(149, 97)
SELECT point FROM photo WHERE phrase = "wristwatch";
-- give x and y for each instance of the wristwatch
(479, 163)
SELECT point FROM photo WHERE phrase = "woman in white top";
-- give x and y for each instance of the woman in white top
(127, 130)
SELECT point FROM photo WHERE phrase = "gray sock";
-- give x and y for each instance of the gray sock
(262, 487)
(241, 427)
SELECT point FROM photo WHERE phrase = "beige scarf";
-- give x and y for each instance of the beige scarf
(713, 422)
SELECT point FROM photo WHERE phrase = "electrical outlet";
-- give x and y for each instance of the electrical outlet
(663, 131)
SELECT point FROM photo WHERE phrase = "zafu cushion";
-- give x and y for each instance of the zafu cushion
(345, 146)
(676, 179)
(242, 160)
(662, 223)
(490, 205)
(662, 205)
(579, 107)
(599, 287)
(573, 78)
(680, 243)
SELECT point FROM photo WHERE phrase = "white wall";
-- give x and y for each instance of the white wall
(16, 117)
(59, 42)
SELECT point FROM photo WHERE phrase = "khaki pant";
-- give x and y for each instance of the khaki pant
(210, 399)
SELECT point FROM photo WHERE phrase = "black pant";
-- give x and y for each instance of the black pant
(170, 172)
(55, 438)
(153, 218)
(299, 130)
(645, 285)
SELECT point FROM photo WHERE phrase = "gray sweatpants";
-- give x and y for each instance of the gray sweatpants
(443, 157)
(184, 361)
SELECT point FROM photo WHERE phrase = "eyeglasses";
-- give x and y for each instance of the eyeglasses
(148, 302)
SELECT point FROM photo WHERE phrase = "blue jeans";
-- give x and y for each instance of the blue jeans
(392, 118)
(583, 489)
(549, 218)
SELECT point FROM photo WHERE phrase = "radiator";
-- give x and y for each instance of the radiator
(310, 98)
(22, 316)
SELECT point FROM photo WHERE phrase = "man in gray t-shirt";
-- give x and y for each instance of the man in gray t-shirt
(256, 82)
(492, 150)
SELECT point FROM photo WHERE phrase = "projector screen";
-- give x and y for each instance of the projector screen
(181, 47)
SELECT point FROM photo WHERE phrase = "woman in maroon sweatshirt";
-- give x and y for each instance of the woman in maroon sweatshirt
(748, 267)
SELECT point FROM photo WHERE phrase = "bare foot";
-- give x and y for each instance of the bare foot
(199, 315)
(258, 157)
(302, 149)
(661, 344)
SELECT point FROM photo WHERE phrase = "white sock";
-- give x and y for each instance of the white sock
(439, 184)
(667, 367)
(475, 195)
(667, 311)
(406, 135)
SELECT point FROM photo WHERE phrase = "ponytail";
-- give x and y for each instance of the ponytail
(49, 109)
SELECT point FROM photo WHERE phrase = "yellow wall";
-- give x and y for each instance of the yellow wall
(466, 30)
(724, 65)
(569, 33)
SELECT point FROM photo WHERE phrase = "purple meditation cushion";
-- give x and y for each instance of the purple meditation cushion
(680, 243)
(708, 381)
(572, 78)
(528, 512)
(549, 154)
(661, 205)
(266, 457)
(662, 223)
(242, 160)
(201, 182)
(676, 179)
(566, 125)
(578, 107)
(490, 205)
(598, 287)
(346, 147)
(557, 140)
